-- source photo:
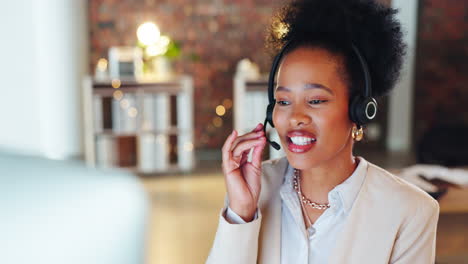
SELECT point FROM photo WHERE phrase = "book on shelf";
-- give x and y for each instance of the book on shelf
(153, 153)
(107, 105)
(123, 119)
(105, 151)
(183, 112)
(156, 112)
(126, 151)
(184, 151)
(98, 113)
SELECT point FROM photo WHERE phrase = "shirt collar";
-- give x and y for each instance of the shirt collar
(347, 191)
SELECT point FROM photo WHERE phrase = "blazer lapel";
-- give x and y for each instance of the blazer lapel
(270, 206)
(270, 234)
(363, 239)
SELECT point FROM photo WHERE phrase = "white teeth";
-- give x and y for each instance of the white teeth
(302, 140)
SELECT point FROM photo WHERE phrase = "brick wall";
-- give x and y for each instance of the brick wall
(215, 35)
(441, 81)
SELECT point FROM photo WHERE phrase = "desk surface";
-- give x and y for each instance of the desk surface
(454, 201)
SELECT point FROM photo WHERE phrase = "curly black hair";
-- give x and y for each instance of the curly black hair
(336, 24)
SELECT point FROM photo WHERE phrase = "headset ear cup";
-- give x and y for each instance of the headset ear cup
(362, 110)
(269, 113)
(370, 109)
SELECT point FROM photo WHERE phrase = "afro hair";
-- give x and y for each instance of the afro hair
(337, 24)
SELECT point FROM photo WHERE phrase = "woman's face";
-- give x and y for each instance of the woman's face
(311, 111)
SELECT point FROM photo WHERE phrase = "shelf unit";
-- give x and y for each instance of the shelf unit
(250, 104)
(146, 127)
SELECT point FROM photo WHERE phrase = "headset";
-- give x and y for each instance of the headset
(362, 108)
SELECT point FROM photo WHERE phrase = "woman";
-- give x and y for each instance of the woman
(321, 204)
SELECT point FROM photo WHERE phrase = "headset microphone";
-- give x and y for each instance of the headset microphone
(272, 143)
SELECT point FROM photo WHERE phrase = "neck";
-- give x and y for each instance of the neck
(317, 182)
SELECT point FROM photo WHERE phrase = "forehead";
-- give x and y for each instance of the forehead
(305, 65)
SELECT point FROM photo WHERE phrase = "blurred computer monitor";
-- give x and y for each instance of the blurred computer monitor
(57, 212)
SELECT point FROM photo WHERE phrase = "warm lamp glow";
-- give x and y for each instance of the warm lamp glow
(159, 48)
(155, 50)
(217, 121)
(164, 40)
(124, 103)
(118, 95)
(227, 103)
(132, 112)
(116, 83)
(148, 33)
(102, 64)
(220, 110)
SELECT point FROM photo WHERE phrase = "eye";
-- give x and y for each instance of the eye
(282, 102)
(317, 101)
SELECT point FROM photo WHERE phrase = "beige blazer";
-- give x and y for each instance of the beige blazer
(391, 221)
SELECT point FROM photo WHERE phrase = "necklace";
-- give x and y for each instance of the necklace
(305, 200)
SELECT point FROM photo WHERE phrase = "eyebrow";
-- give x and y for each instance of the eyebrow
(307, 86)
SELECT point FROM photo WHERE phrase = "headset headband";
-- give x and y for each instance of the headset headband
(279, 56)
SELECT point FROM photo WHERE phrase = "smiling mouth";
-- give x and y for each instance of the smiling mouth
(301, 141)
(298, 144)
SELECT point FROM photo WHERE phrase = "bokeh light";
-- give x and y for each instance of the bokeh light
(124, 103)
(116, 83)
(148, 33)
(217, 121)
(102, 64)
(227, 103)
(220, 110)
(118, 95)
(132, 112)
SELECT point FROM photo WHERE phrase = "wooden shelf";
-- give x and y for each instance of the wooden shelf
(117, 137)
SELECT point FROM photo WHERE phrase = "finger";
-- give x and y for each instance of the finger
(257, 154)
(246, 145)
(229, 140)
(259, 127)
(226, 153)
(251, 135)
(245, 158)
(238, 159)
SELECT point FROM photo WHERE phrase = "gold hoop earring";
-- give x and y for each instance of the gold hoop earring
(357, 134)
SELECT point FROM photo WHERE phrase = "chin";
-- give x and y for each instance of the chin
(302, 161)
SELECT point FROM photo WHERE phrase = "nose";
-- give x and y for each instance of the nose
(299, 117)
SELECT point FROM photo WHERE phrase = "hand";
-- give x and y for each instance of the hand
(243, 178)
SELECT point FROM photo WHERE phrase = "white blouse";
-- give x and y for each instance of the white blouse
(314, 245)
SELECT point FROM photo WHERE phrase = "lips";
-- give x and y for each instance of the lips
(300, 141)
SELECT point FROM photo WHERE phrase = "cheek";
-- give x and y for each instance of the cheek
(334, 122)
(280, 119)
(277, 118)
